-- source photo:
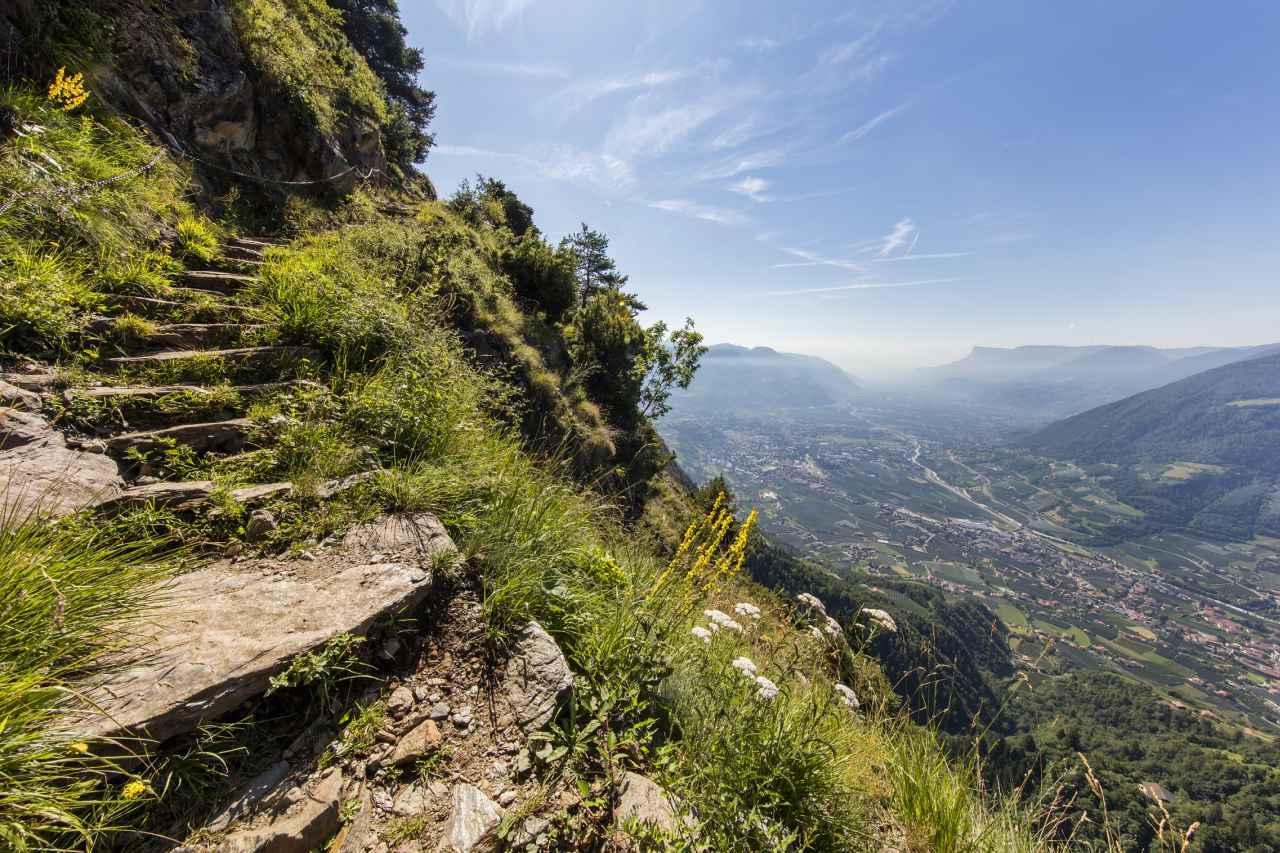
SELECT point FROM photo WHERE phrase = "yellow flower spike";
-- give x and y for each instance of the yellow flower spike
(80, 747)
(68, 92)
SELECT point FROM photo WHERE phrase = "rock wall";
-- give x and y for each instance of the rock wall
(179, 66)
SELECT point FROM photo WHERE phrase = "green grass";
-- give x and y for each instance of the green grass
(71, 595)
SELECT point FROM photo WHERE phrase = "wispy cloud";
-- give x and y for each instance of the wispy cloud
(752, 187)
(862, 285)
(759, 44)
(865, 128)
(813, 259)
(478, 17)
(935, 256)
(508, 69)
(840, 54)
(730, 167)
(581, 94)
(686, 207)
(902, 231)
(558, 163)
(646, 134)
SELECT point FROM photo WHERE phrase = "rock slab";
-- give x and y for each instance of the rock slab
(39, 473)
(536, 679)
(303, 820)
(227, 628)
(645, 801)
(473, 821)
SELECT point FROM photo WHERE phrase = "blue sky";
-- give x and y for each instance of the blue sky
(888, 184)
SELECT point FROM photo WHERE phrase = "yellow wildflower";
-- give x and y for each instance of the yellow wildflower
(66, 91)
(80, 747)
(135, 789)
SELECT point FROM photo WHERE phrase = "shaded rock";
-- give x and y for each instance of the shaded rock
(536, 679)
(473, 821)
(306, 817)
(250, 796)
(229, 627)
(645, 801)
(420, 741)
(439, 711)
(39, 472)
(260, 524)
(422, 532)
(18, 398)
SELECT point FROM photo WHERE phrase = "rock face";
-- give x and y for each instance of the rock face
(39, 472)
(299, 820)
(644, 801)
(227, 628)
(536, 679)
(473, 820)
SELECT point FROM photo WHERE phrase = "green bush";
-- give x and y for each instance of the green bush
(541, 274)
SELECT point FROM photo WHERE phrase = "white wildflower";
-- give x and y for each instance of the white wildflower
(811, 602)
(768, 690)
(881, 619)
(745, 666)
(720, 619)
(832, 628)
(817, 635)
(702, 634)
(847, 696)
(745, 608)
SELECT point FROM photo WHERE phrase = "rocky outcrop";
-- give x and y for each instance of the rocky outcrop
(473, 821)
(229, 627)
(185, 70)
(536, 679)
(40, 473)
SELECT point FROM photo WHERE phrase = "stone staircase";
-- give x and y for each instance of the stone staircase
(221, 631)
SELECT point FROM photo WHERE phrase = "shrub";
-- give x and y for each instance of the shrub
(541, 274)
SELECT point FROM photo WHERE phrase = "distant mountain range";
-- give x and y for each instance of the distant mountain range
(1051, 381)
(734, 378)
(1226, 421)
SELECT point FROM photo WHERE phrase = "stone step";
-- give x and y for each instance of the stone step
(223, 436)
(255, 355)
(256, 243)
(188, 495)
(182, 302)
(222, 631)
(215, 281)
(244, 252)
(177, 335)
(151, 391)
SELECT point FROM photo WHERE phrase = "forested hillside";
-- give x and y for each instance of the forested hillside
(334, 517)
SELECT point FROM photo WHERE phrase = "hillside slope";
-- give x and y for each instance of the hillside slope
(380, 550)
(1229, 415)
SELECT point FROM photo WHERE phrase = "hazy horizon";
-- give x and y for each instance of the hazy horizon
(887, 184)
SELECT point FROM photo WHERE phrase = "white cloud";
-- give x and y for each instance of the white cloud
(557, 163)
(693, 209)
(477, 17)
(752, 187)
(736, 165)
(902, 231)
(759, 44)
(508, 69)
(813, 259)
(651, 133)
(861, 131)
(862, 285)
(842, 53)
(929, 257)
(581, 94)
